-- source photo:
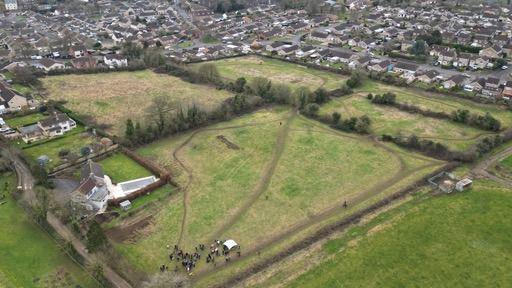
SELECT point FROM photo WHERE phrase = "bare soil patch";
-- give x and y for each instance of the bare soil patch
(228, 143)
(128, 232)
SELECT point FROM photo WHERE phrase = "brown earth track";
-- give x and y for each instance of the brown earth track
(190, 172)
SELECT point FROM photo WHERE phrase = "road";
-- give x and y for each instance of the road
(27, 182)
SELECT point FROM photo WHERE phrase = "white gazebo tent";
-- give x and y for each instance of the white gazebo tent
(229, 244)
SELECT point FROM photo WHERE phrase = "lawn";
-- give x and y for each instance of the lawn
(25, 120)
(73, 141)
(28, 256)
(278, 178)
(120, 168)
(459, 240)
(25, 90)
(389, 120)
(277, 71)
(438, 102)
(115, 97)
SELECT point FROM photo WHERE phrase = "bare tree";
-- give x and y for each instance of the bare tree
(160, 111)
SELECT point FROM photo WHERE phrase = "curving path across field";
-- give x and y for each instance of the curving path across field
(402, 173)
(264, 181)
(267, 173)
(186, 196)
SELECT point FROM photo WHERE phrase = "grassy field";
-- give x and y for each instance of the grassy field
(111, 98)
(278, 72)
(459, 240)
(73, 140)
(230, 195)
(507, 162)
(24, 120)
(120, 168)
(389, 120)
(438, 102)
(28, 256)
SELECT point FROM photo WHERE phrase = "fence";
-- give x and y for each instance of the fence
(59, 169)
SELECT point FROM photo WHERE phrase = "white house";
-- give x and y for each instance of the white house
(57, 124)
(11, 5)
(115, 60)
(92, 194)
(96, 189)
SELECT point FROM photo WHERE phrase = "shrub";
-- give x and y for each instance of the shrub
(311, 109)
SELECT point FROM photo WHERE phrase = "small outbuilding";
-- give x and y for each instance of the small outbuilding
(463, 184)
(125, 205)
(229, 244)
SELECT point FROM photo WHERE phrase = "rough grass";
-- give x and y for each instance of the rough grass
(24, 120)
(459, 240)
(278, 72)
(28, 256)
(507, 162)
(222, 179)
(438, 102)
(316, 171)
(120, 168)
(389, 120)
(111, 98)
(73, 140)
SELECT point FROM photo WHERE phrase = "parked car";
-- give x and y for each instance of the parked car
(504, 67)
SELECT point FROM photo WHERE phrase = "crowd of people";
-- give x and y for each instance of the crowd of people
(189, 260)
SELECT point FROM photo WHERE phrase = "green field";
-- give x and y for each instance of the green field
(28, 256)
(438, 102)
(120, 168)
(24, 120)
(391, 121)
(507, 162)
(73, 140)
(115, 97)
(459, 240)
(278, 72)
(285, 171)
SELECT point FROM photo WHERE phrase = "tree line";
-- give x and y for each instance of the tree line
(166, 118)
(428, 148)
(484, 122)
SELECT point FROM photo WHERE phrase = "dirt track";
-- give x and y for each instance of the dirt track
(264, 181)
(190, 173)
(402, 173)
